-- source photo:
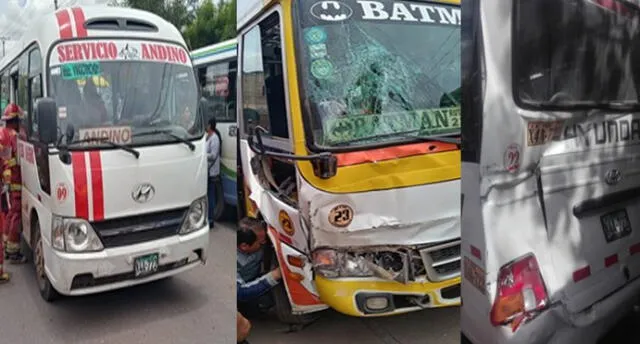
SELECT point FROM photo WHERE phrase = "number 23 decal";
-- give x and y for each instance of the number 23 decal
(341, 215)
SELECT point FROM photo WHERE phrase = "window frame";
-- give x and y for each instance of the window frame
(202, 73)
(279, 143)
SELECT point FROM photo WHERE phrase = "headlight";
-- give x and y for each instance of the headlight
(332, 264)
(74, 235)
(196, 216)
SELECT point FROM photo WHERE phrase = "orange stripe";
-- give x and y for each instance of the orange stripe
(395, 152)
(97, 186)
(299, 294)
(64, 24)
(78, 16)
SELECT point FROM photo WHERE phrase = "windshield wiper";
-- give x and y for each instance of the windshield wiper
(109, 142)
(169, 133)
(445, 138)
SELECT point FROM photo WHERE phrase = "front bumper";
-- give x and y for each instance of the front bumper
(348, 295)
(112, 268)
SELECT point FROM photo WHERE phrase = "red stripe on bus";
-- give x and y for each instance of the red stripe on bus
(78, 17)
(64, 24)
(81, 192)
(581, 274)
(476, 252)
(97, 186)
(634, 249)
(611, 260)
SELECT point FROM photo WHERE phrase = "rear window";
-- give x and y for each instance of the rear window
(575, 52)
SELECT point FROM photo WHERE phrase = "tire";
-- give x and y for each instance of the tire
(47, 291)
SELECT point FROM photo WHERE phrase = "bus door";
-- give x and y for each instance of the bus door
(266, 153)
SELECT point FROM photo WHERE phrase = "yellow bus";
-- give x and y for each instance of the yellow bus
(348, 148)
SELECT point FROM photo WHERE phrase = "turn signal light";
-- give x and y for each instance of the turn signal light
(297, 261)
(521, 293)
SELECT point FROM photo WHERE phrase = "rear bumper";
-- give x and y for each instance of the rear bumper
(348, 295)
(556, 326)
(88, 273)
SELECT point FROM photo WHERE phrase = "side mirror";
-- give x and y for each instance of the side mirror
(46, 113)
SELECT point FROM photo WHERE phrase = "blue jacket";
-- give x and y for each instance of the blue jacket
(254, 289)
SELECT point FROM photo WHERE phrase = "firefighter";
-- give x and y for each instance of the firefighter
(4, 276)
(11, 190)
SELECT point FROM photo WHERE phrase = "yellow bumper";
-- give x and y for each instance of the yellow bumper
(340, 294)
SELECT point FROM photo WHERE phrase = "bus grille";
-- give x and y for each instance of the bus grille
(138, 229)
(441, 261)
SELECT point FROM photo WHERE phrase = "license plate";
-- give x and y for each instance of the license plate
(474, 274)
(615, 225)
(145, 265)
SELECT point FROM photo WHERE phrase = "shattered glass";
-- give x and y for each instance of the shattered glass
(372, 83)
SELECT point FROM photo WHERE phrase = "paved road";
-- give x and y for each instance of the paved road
(627, 331)
(436, 326)
(197, 307)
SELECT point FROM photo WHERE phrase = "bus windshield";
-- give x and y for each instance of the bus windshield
(576, 53)
(379, 72)
(124, 94)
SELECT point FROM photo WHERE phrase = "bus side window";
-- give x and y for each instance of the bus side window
(4, 91)
(35, 89)
(263, 92)
(23, 76)
(217, 82)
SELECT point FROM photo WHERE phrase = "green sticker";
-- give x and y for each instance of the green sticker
(321, 69)
(318, 51)
(315, 35)
(429, 122)
(76, 71)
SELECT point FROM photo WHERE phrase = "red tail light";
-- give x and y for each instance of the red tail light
(616, 6)
(521, 292)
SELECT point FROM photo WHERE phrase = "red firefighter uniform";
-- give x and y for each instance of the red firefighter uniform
(11, 181)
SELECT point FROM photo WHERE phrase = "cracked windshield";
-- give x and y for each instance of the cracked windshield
(366, 78)
(121, 91)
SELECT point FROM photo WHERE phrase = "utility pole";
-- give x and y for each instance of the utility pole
(55, 3)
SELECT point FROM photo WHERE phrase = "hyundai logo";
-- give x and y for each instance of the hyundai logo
(613, 176)
(332, 11)
(143, 193)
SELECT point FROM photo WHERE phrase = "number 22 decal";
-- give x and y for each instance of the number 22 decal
(512, 158)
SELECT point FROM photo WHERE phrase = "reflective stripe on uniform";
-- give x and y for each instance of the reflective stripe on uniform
(11, 162)
(12, 247)
(15, 187)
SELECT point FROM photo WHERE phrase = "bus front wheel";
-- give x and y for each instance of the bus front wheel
(47, 291)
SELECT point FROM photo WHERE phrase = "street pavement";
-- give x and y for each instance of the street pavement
(196, 307)
(433, 326)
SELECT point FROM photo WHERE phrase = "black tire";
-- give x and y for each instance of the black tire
(464, 339)
(47, 291)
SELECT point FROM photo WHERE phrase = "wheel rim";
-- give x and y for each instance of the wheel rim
(39, 260)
